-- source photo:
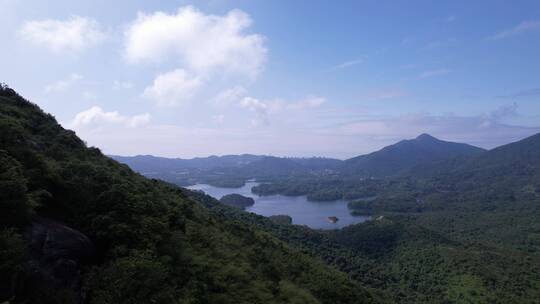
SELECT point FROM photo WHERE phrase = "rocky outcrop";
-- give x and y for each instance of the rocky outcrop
(53, 267)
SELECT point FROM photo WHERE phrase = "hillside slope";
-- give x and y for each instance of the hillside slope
(436, 257)
(509, 172)
(113, 236)
(406, 154)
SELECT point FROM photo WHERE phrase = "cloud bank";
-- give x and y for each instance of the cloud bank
(73, 35)
(96, 116)
(173, 88)
(203, 43)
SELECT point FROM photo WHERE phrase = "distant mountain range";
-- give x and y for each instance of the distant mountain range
(388, 161)
(228, 170)
(149, 163)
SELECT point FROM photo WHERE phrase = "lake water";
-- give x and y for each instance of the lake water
(302, 211)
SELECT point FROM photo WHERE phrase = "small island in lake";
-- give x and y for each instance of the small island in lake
(237, 200)
(333, 219)
(281, 219)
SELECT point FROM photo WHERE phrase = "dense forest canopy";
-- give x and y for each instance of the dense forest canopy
(78, 227)
(152, 242)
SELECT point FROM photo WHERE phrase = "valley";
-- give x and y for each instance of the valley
(442, 202)
(302, 211)
(445, 230)
(269, 152)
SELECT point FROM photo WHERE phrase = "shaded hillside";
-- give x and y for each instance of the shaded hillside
(406, 154)
(152, 243)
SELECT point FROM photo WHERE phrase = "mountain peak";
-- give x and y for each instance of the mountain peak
(406, 154)
(425, 136)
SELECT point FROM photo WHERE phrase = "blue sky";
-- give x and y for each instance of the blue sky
(295, 78)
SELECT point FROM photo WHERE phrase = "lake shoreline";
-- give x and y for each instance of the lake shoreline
(314, 214)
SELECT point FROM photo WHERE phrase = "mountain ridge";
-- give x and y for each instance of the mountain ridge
(405, 154)
(390, 160)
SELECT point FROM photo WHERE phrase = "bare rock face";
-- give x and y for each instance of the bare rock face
(51, 240)
(56, 253)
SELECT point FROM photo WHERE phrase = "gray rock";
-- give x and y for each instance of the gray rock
(53, 268)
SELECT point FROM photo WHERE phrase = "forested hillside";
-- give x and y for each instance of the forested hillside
(505, 178)
(509, 171)
(78, 227)
(433, 257)
(393, 159)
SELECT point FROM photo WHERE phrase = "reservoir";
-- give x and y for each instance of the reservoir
(303, 212)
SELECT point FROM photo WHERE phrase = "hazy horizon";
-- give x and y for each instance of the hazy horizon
(198, 78)
(293, 156)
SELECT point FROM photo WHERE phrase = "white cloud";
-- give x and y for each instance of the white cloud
(64, 84)
(203, 43)
(518, 29)
(433, 73)
(72, 35)
(348, 64)
(347, 132)
(173, 88)
(230, 96)
(264, 109)
(257, 106)
(97, 117)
